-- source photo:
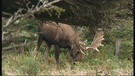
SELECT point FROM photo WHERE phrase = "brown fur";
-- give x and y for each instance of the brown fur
(61, 36)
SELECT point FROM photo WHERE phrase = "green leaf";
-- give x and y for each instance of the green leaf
(24, 33)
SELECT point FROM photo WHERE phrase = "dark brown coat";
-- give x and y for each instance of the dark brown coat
(65, 36)
(61, 36)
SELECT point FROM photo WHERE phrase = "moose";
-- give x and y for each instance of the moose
(65, 36)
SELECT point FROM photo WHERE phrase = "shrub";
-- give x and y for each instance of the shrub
(29, 66)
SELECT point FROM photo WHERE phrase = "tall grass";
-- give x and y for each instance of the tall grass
(94, 64)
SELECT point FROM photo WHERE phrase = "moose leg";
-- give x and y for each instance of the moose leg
(40, 40)
(72, 55)
(57, 50)
(46, 53)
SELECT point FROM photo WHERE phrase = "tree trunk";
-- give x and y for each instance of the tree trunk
(118, 45)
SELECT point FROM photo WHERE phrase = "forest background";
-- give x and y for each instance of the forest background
(20, 20)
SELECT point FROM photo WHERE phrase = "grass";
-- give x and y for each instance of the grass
(94, 64)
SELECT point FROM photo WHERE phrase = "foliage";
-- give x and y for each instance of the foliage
(115, 17)
(53, 11)
(29, 66)
(94, 63)
(93, 13)
(126, 35)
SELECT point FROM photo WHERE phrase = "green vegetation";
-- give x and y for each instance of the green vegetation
(103, 63)
(95, 63)
(115, 17)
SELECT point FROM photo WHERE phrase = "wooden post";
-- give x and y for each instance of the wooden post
(118, 45)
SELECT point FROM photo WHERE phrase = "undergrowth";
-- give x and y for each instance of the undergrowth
(93, 64)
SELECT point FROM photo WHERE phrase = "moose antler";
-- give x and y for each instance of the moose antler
(97, 40)
(95, 43)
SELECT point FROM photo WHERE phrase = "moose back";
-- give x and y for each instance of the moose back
(64, 36)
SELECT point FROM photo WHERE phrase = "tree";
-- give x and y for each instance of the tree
(77, 12)
(93, 13)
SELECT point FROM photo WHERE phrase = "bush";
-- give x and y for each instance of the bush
(29, 66)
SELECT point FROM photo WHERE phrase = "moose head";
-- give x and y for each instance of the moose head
(97, 41)
(65, 36)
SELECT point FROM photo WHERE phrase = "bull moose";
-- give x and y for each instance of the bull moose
(65, 36)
